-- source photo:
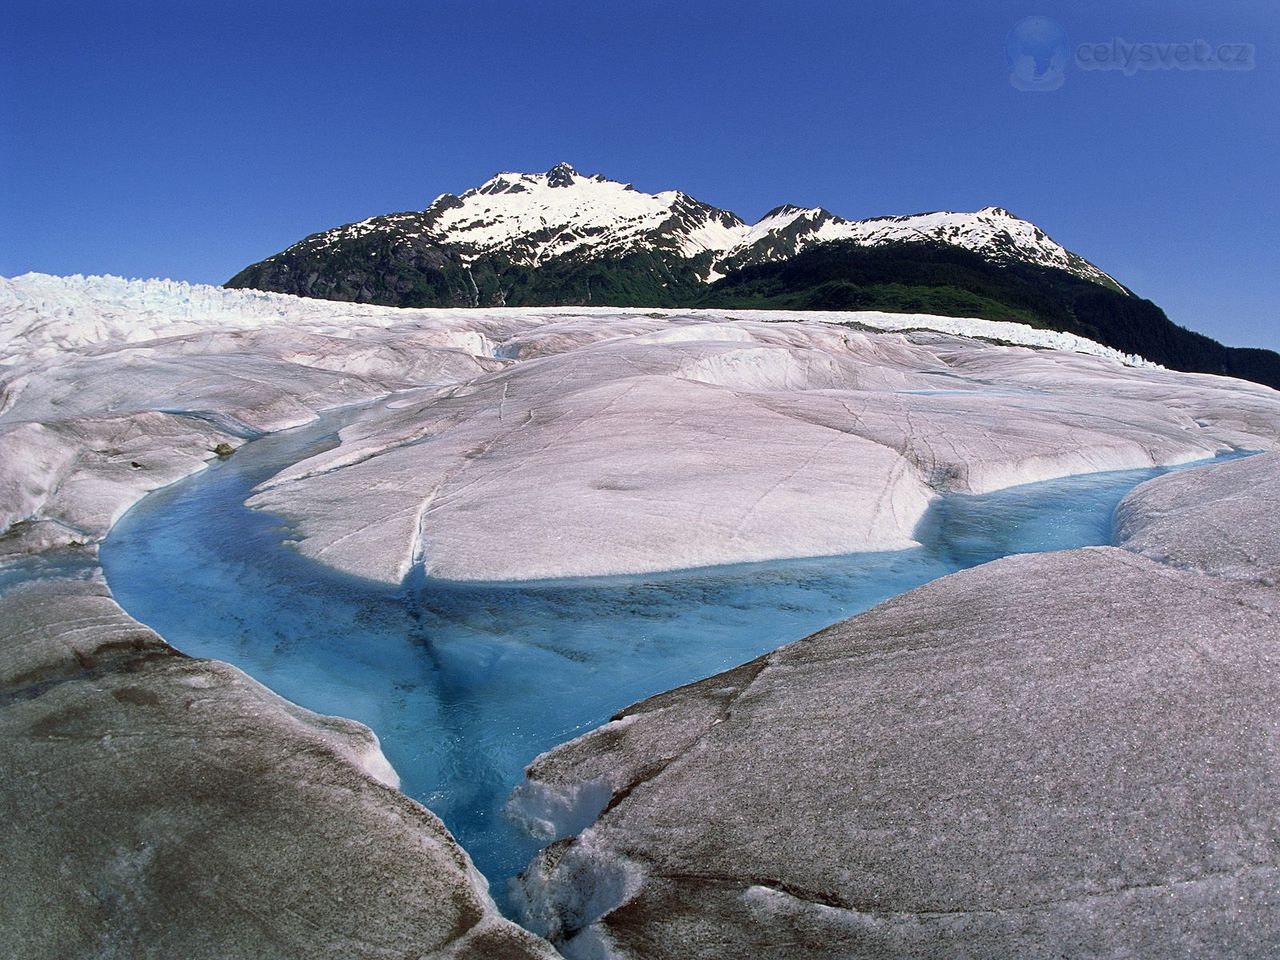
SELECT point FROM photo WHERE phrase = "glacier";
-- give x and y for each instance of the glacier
(465, 683)
(1053, 754)
(486, 471)
(98, 375)
(701, 442)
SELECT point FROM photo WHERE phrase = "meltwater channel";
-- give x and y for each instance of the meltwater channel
(466, 683)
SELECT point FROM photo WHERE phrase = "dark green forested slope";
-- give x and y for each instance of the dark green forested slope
(947, 280)
(392, 270)
(903, 277)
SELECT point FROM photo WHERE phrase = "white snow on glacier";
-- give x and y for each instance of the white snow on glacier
(628, 447)
(855, 454)
(43, 315)
(529, 444)
(465, 683)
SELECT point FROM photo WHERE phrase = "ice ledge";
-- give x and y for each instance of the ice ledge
(916, 743)
(188, 796)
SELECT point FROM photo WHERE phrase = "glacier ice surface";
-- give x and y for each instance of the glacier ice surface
(466, 682)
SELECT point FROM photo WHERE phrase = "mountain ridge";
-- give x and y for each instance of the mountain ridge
(532, 219)
(563, 238)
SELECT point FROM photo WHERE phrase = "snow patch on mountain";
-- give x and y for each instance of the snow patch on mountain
(534, 218)
(993, 232)
(538, 217)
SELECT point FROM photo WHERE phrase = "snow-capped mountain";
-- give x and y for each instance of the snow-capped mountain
(533, 218)
(538, 217)
(993, 232)
(530, 235)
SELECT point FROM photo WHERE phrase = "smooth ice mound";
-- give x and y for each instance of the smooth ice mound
(465, 683)
(630, 454)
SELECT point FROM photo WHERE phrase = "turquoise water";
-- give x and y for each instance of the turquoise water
(465, 683)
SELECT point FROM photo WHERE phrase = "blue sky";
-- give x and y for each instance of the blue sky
(187, 138)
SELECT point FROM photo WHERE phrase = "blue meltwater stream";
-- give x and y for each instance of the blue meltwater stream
(466, 683)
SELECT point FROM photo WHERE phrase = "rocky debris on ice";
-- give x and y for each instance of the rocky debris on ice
(1049, 755)
(157, 806)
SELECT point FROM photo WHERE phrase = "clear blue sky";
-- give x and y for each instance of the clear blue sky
(186, 138)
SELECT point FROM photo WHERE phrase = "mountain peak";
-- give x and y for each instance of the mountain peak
(531, 220)
(561, 175)
(782, 211)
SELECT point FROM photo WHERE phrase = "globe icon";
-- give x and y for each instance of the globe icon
(1038, 53)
